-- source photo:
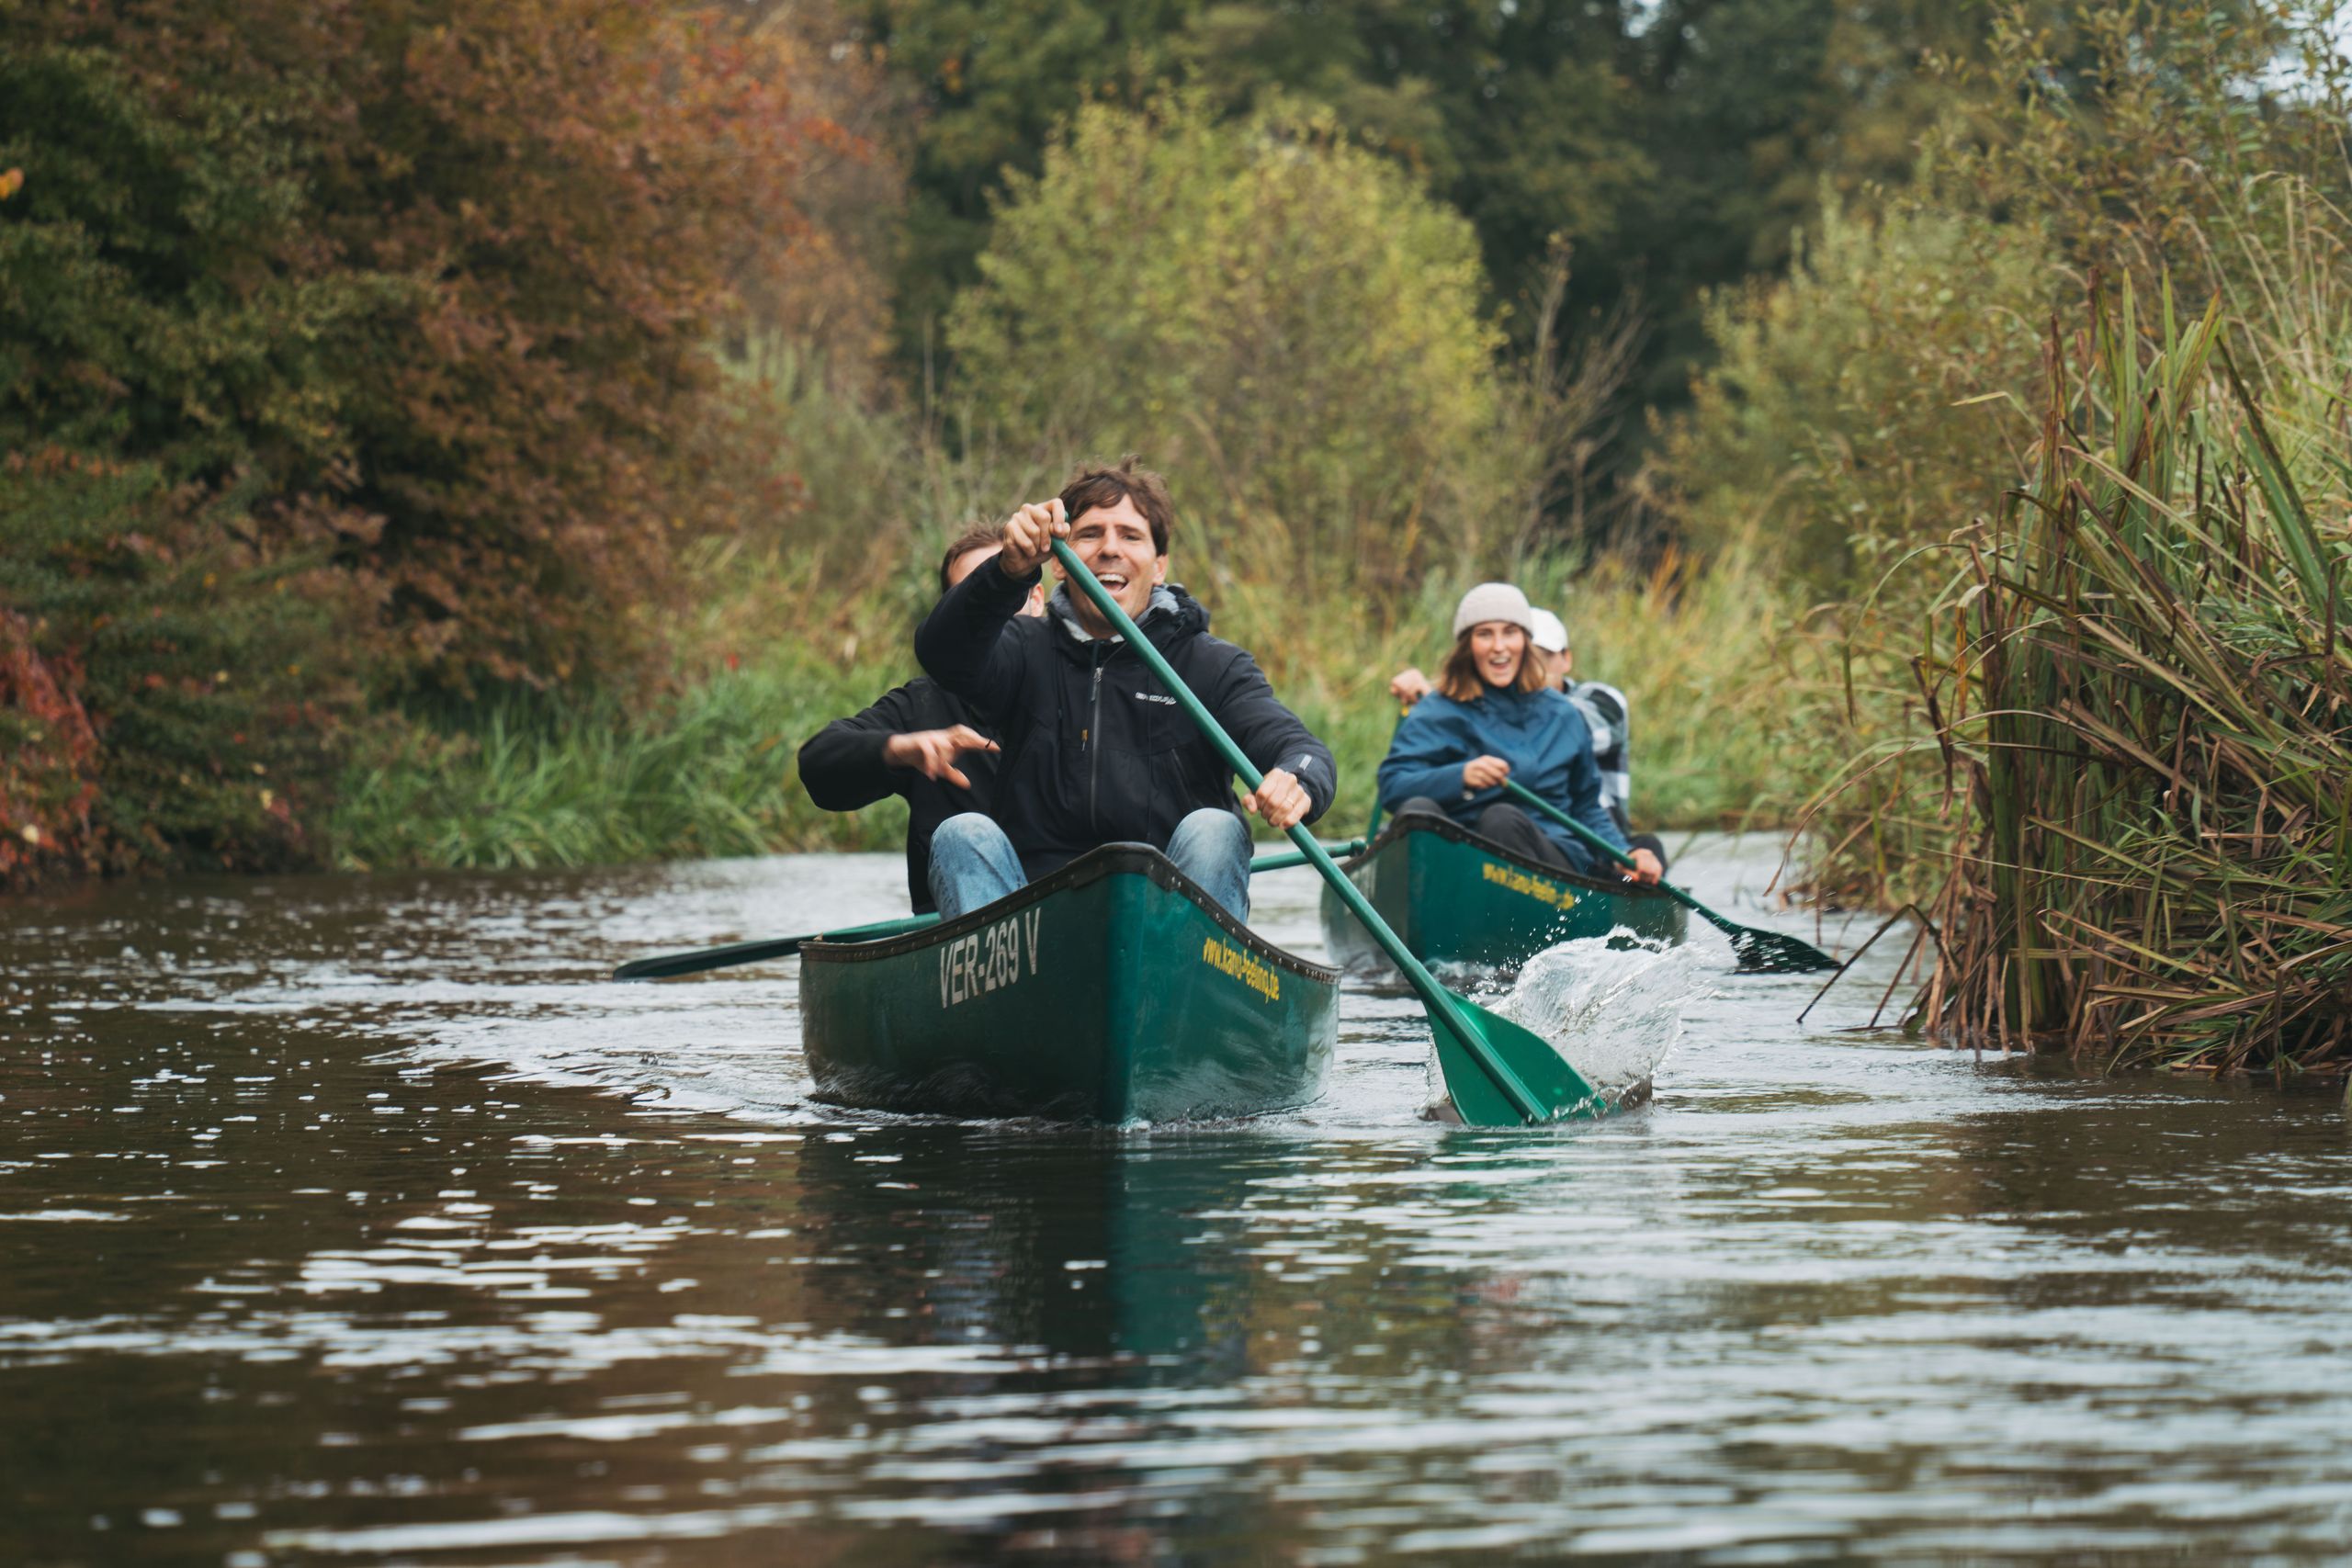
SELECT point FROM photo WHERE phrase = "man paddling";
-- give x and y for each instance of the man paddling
(1095, 749)
(917, 742)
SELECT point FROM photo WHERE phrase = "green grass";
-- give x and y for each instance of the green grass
(708, 770)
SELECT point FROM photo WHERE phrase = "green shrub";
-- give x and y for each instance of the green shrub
(1280, 321)
(160, 377)
(1850, 410)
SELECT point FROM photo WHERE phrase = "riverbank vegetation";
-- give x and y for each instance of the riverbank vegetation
(2087, 659)
(440, 433)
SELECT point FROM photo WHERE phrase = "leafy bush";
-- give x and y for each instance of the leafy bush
(177, 660)
(1280, 319)
(342, 340)
(1847, 416)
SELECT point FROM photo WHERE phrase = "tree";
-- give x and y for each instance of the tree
(344, 342)
(166, 385)
(995, 78)
(1677, 147)
(1280, 317)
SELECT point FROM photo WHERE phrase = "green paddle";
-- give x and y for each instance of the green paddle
(1499, 1074)
(694, 962)
(1289, 858)
(726, 957)
(1759, 951)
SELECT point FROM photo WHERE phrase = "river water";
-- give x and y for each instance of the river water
(362, 1219)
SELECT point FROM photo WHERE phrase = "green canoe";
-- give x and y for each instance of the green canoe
(1456, 898)
(1113, 990)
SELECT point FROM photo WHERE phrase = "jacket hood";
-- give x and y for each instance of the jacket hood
(1171, 613)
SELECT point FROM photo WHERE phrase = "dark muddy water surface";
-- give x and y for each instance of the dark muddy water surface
(353, 1221)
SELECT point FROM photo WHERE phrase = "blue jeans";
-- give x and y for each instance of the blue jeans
(972, 861)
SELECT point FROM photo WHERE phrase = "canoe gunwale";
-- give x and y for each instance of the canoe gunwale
(1398, 829)
(1096, 864)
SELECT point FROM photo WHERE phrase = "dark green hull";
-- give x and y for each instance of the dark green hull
(1113, 990)
(1456, 898)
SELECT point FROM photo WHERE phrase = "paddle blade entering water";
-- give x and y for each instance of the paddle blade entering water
(1481, 1100)
(1610, 1006)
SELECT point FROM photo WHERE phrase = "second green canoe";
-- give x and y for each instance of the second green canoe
(1456, 898)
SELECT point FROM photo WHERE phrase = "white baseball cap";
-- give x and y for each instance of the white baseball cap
(1548, 632)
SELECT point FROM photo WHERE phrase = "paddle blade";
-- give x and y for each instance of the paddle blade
(1775, 953)
(1477, 1091)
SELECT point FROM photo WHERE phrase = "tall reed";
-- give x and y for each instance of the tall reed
(2133, 713)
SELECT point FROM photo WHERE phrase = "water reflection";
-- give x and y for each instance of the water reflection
(347, 1222)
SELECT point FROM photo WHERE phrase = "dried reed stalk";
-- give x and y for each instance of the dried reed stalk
(2138, 676)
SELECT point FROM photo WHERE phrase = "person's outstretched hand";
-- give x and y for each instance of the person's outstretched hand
(933, 753)
(1644, 870)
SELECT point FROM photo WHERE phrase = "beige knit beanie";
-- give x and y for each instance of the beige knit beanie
(1494, 601)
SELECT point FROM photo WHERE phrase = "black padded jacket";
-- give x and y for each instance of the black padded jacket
(1095, 749)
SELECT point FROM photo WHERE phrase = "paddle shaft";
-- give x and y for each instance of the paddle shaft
(1433, 996)
(1286, 861)
(694, 962)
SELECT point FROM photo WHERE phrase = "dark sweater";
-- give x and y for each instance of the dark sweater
(843, 769)
(1095, 749)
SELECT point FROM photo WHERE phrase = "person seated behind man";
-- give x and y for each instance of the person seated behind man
(917, 742)
(1097, 751)
(1495, 716)
(1606, 714)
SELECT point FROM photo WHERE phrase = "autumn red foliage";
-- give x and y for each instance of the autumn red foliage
(575, 193)
(49, 766)
(367, 351)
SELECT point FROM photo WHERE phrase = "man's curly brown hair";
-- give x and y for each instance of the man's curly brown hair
(1099, 484)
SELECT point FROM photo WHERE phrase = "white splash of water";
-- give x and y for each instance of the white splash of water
(1613, 1012)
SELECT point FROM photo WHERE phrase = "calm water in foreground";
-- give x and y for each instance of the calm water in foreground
(354, 1220)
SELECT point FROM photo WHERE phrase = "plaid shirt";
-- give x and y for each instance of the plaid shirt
(1604, 712)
